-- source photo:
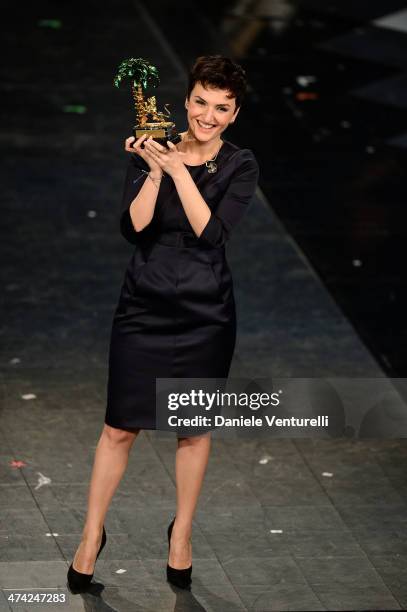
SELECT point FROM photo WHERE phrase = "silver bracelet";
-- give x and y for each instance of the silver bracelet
(153, 179)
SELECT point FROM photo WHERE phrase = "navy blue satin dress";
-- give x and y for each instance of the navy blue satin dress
(176, 312)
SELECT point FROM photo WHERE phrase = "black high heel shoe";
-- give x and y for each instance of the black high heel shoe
(79, 582)
(180, 578)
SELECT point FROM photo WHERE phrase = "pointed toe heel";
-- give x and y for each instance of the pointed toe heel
(180, 578)
(79, 582)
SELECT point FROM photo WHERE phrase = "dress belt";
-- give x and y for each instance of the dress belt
(179, 239)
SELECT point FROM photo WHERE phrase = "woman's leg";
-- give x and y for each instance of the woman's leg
(111, 458)
(190, 465)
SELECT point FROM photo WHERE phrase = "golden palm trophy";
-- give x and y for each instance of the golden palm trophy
(148, 119)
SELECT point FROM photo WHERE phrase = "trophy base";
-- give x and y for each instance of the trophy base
(160, 133)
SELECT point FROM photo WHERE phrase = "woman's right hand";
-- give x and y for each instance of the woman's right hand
(134, 146)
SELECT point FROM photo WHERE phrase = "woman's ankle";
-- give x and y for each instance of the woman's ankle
(182, 530)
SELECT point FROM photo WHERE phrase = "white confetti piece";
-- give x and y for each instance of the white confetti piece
(356, 263)
(92, 214)
(327, 474)
(28, 396)
(305, 80)
(276, 531)
(42, 480)
(265, 459)
(120, 571)
(15, 360)
(52, 534)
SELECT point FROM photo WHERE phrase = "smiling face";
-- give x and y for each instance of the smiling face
(209, 112)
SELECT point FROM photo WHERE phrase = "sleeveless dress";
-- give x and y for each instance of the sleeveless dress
(176, 314)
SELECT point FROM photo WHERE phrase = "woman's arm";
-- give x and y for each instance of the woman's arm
(195, 207)
(140, 193)
(142, 207)
(139, 200)
(235, 202)
(212, 228)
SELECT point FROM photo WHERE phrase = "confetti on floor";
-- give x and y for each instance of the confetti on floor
(17, 464)
(28, 396)
(79, 109)
(305, 80)
(327, 474)
(306, 95)
(42, 480)
(54, 24)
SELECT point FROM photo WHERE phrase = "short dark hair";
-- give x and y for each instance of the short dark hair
(220, 72)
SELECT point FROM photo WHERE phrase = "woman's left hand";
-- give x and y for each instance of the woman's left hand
(170, 160)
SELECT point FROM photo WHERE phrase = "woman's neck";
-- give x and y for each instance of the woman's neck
(200, 151)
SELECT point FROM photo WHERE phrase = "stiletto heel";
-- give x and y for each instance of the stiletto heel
(79, 582)
(180, 578)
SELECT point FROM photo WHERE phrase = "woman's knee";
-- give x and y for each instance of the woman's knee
(119, 436)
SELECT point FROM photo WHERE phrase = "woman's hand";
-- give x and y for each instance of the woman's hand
(169, 160)
(144, 154)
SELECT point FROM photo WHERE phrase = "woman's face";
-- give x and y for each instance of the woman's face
(209, 112)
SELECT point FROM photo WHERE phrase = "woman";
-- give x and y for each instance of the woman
(176, 311)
